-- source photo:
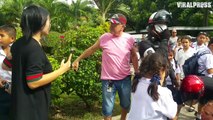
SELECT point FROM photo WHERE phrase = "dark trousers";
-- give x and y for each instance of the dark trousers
(176, 94)
(5, 99)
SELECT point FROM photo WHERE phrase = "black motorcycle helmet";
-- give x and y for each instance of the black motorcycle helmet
(157, 28)
(160, 17)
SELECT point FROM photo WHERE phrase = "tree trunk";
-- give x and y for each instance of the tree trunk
(103, 17)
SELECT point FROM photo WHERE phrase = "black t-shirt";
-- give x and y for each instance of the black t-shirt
(29, 63)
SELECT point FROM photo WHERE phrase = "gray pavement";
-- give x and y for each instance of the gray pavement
(184, 114)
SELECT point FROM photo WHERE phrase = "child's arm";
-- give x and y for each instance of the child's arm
(7, 65)
(1, 83)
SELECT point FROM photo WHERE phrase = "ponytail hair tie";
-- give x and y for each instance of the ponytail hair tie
(155, 78)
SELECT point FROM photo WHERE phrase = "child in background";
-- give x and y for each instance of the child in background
(184, 53)
(178, 46)
(173, 39)
(7, 37)
(176, 70)
(170, 83)
(201, 40)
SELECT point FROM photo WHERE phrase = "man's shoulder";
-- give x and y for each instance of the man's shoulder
(107, 33)
(128, 36)
(125, 33)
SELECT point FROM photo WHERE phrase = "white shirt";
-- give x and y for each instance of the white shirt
(176, 69)
(144, 108)
(198, 47)
(205, 62)
(177, 48)
(4, 74)
(182, 56)
(173, 41)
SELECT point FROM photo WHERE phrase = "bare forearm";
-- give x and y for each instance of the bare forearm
(86, 54)
(46, 79)
(135, 63)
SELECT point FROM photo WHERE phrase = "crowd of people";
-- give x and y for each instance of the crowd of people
(187, 49)
(154, 94)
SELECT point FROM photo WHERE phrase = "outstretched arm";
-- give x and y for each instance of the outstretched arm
(86, 54)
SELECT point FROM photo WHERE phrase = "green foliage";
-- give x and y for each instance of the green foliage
(140, 12)
(51, 41)
(56, 90)
(18, 32)
(65, 17)
(86, 81)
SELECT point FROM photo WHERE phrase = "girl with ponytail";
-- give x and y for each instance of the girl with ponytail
(151, 101)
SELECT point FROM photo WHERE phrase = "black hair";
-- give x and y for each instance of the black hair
(186, 37)
(210, 41)
(33, 19)
(179, 38)
(202, 33)
(9, 29)
(151, 66)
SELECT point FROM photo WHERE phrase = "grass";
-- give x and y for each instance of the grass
(73, 108)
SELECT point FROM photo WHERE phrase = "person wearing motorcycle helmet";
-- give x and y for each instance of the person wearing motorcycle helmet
(199, 89)
(160, 17)
(192, 88)
(158, 32)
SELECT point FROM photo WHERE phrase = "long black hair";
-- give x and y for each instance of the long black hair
(33, 19)
(151, 65)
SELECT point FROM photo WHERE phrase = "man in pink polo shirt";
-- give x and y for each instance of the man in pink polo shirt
(118, 48)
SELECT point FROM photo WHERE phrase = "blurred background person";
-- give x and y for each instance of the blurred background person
(173, 39)
(201, 41)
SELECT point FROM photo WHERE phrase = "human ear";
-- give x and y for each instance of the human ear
(12, 39)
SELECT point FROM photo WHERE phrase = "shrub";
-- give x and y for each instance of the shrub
(56, 86)
(86, 81)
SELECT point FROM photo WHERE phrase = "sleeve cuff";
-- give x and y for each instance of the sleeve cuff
(8, 62)
(34, 77)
